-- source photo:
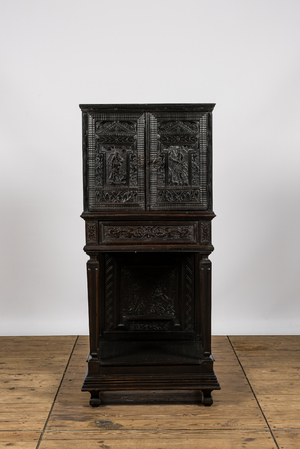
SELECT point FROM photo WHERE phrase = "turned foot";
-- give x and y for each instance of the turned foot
(207, 399)
(95, 400)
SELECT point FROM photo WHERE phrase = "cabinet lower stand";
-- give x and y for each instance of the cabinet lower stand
(150, 366)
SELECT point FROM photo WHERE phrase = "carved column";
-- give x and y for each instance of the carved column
(93, 296)
(205, 293)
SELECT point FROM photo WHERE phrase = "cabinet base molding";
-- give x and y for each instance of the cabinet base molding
(199, 382)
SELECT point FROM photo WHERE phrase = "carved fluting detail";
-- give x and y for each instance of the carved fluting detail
(99, 169)
(189, 295)
(178, 196)
(113, 196)
(195, 169)
(149, 232)
(205, 232)
(91, 232)
(133, 171)
(109, 296)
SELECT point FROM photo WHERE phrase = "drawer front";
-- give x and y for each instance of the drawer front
(151, 232)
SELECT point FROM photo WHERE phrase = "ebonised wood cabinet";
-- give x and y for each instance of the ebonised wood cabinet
(147, 175)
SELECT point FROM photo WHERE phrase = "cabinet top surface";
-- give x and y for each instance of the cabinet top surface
(207, 107)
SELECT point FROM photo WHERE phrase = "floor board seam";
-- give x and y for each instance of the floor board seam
(178, 429)
(270, 430)
(61, 381)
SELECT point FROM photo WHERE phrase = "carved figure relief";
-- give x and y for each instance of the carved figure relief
(113, 177)
(180, 178)
(178, 174)
(116, 167)
(149, 293)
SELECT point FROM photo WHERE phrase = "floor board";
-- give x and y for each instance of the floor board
(272, 366)
(42, 406)
(28, 385)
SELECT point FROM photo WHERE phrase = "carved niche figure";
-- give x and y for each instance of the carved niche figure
(117, 174)
(178, 166)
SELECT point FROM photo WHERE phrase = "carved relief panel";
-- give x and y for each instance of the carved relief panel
(145, 294)
(179, 161)
(116, 161)
(156, 161)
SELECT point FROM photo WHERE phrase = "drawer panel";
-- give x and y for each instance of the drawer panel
(150, 232)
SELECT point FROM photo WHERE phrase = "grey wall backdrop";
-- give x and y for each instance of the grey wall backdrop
(243, 55)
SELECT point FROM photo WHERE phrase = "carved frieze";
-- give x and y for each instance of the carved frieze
(150, 232)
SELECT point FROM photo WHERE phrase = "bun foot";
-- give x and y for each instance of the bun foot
(207, 399)
(95, 401)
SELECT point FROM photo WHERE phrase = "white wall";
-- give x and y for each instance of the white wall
(243, 55)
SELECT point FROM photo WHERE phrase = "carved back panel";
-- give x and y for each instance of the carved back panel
(149, 292)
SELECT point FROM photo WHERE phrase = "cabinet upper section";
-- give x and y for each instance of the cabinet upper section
(147, 157)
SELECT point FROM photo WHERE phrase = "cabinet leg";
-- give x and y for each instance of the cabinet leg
(95, 400)
(207, 399)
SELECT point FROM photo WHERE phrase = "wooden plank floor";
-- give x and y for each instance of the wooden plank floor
(42, 407)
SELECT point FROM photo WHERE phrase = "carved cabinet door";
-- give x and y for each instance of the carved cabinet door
(180, 151)
(115, 171)
(148, 160)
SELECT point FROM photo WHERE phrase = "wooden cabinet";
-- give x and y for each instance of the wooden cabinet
(148, 210)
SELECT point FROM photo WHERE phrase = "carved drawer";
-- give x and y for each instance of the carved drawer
(150, 232)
